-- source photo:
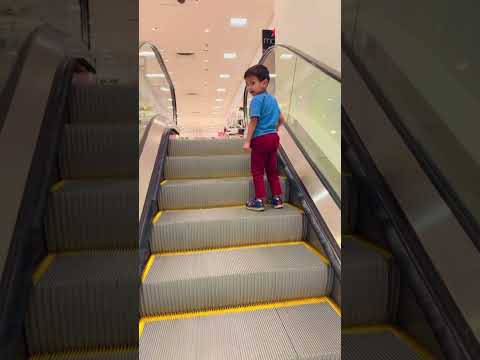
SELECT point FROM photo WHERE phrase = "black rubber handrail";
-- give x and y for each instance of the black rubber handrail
(27, 245)
(159, 58)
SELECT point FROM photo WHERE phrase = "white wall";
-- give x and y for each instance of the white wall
(312, 26)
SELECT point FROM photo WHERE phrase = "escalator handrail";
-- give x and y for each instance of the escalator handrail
(26, 245)
(332, 73)
(159, 58)
(440, 182)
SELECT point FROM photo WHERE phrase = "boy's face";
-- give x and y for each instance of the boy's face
(255, 86)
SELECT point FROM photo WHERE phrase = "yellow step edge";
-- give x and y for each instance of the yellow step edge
(156, 217)
(163, 182)
(377, 248)
(232, 207)
(368, 329)
(81, 352)
(151, 260)
(42, 268)
(57, 186)
(237, 309)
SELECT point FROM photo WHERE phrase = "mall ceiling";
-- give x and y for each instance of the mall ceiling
(206, 80)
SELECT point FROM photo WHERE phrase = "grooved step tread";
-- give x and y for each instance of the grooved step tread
(380, 342)
(213, 166)
(84, 300)
(205, 193)
(92, 214)
(189, 281)
(305, 331)
(100, 354)
(222, 227)
(191, 147)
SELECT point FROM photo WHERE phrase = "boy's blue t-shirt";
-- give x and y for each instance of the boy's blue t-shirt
(265, 107)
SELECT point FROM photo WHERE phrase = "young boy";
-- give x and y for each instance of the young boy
(262, 138)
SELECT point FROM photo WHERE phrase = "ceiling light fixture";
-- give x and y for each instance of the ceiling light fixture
(224, 76)
(231, 55)
(221, 89)
(238, 22)
(273, 75)
(218, 100)
(155, 75)
(164, 89)
(207, 30)
(155, 28)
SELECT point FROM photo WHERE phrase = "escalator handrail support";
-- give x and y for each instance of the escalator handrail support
(159, 58)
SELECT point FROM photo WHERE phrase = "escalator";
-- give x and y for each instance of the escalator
(409, 183)
(70, 282)
(237, 284)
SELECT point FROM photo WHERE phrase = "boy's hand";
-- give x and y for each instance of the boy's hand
(246, 146)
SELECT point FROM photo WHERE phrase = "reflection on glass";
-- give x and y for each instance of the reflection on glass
(310, 101)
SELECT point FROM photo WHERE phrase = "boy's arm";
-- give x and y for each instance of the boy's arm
(250, 130)
(281, 120)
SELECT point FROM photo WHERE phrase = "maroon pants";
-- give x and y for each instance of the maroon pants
(264, 159)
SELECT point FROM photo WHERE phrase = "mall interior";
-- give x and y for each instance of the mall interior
(125, 233)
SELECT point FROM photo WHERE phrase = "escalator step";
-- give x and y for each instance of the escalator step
(216, 166)
(223, 227)
(102, 104)
(206, 193)
(84, 300)
(92, 214)
(192, 281)
(380, 342)
(370, 283)
(297, 331)
(98, 151)
(113, 354)
(199, 147)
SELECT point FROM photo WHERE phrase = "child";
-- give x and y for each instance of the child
(262, 138)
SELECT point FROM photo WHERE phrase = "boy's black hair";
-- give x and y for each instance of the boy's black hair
(259, 71)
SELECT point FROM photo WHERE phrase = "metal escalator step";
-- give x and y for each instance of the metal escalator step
(103, 354)
(92, 214)
(92, 150)
(192, 281)
(84, 300)
(249, 333)
(222, 227)
(370, 281)
(104, 104)
(216, 166)
(206, 193)
(379, 342)
(199, 147)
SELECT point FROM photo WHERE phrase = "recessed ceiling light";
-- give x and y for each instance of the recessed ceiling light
(155, 28)
(286, 56)
(206, 60)
(273, 75)
(333, 132)
(169, 99)
(207, 30)
(224, 76)
(155, 75)
(218, 100)
(231, 55)
(221, 90)
(146, 53)
(164, 89)
(166, 60)
(238, 22)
